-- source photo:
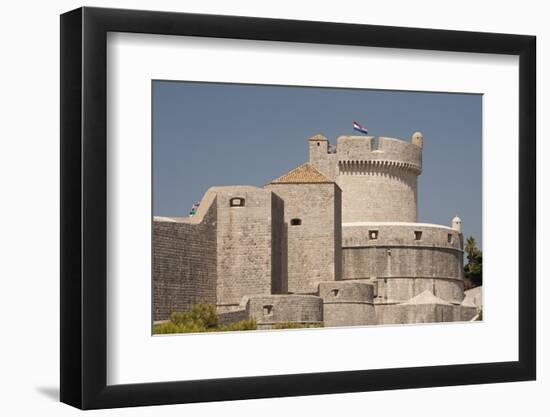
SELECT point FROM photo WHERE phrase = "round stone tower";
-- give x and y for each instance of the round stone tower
(382, 241)
(378, 178)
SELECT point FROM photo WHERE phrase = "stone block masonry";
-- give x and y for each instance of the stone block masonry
(184, 262)
(234, 246)
(377, 175)
(424, 308)
(347, 303)
(405, 258)
(270, 310)
(313, 230)
(334, 241)
(249, 244)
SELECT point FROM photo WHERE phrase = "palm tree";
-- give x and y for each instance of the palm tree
(473, 270)
(471, 248)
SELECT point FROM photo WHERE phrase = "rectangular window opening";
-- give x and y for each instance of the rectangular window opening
(236, 202)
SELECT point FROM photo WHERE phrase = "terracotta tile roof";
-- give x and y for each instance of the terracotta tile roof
(304, 174)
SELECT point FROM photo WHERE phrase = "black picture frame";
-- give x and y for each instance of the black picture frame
(84, 207)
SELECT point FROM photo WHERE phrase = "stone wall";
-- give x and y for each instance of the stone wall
(272, 309)
(377, 192)
(474, 297)
(184, 262)
(406, 259)
(394, 261)
(465, 313)
(370, 148)
(279, 250)
(338, 233)
(347, 303)
(245, 244)
(399, 289)
(314, 246)
(321, 158)
(234, 316)
(410, 314)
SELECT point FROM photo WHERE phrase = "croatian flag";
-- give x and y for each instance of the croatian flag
(358, 127)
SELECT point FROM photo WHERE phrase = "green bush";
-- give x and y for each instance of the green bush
(240, 325)
(201, 318)
(292, 325)
(202, 315)
(171, 327)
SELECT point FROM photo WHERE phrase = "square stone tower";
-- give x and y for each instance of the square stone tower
(313, 223)
(249, 244)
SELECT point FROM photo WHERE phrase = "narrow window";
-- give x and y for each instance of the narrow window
(296, 222)
(450, 238)
(318, 144)
(236, 202)
(268, 310)
(373, 234)
(417, 235)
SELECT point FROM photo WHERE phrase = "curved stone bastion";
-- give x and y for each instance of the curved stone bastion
(270, 310)
(347, 303)
(404, 259)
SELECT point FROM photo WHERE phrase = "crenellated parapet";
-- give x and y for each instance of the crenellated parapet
(377, 175)
(377, 166)
(375, 151)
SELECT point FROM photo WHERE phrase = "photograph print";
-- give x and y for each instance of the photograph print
(290, 207)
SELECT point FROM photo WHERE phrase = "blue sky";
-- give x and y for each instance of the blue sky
(207, 134)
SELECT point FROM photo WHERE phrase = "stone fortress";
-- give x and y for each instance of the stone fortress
(334, 242)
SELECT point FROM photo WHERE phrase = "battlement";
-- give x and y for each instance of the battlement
(400, 234)
(377, 175)
(371, 151)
